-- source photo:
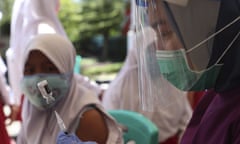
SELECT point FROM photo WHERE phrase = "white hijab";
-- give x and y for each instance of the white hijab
(40, 127)
(123, 93)
(29, 18)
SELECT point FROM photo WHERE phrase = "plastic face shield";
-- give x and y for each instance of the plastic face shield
(169, 27)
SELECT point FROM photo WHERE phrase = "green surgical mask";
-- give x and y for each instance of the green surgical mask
(174, 67)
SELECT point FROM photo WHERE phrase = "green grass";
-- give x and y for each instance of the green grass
(88, 61)
(99, 71)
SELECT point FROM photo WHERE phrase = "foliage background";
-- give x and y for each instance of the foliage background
(94, 27)
(85, 20)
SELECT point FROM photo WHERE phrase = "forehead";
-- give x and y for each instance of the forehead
(36, 55)
(37, 62)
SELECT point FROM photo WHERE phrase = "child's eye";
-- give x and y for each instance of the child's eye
(29, 71)
(50, 69)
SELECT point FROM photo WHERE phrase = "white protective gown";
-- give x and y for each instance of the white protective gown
(123, 93)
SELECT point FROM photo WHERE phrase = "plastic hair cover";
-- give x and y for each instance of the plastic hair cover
(168, 29)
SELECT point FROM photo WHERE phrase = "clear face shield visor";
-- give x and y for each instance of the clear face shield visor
(174, 43)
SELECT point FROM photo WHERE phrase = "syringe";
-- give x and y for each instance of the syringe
(47, 94)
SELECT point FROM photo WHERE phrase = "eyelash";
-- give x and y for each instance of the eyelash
(28, 71)
(50, 69)
(47, 69)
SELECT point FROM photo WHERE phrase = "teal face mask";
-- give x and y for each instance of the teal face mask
(174, 67)
(58, 83)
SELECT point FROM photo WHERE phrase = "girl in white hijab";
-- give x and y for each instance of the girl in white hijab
(123, 93)
(52, 57)
(29, 18)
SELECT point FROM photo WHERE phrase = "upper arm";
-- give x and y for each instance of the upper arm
(92, 127)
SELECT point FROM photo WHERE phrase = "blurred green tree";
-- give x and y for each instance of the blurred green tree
(86, 18)
(5, 10)
(6, 7)
(69, 17)
(82, 19)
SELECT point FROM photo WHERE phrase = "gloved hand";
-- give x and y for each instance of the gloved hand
(63, 138)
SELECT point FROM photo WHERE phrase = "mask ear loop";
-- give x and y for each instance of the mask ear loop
(213, 35)
(229, 46)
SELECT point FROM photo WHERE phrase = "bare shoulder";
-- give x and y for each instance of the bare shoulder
(92, 126)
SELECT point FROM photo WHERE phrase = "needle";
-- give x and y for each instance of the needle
(60, 122)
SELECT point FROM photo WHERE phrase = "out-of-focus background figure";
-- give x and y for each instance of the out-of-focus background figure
(123, 93)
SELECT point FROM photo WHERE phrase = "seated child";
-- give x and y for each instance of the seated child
(51, 57)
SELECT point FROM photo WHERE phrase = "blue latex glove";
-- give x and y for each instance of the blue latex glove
(63, 138)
